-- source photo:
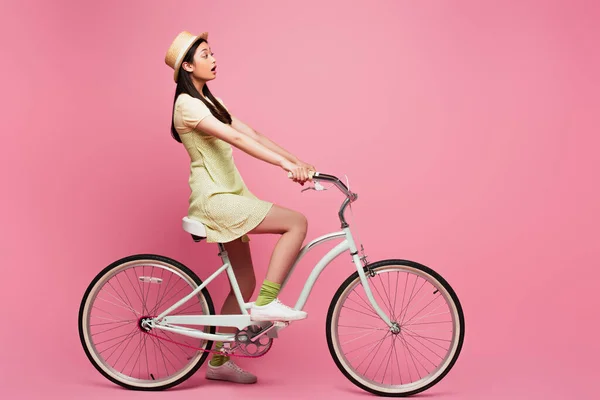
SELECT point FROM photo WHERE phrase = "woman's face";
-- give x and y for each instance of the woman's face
(204, 67)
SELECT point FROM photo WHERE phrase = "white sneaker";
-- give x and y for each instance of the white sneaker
(275, 311)
(229, 372)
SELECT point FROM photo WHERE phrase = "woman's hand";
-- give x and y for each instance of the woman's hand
(305, 165)
(311, 169)
(299, 173)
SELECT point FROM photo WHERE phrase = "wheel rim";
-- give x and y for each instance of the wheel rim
(401, 360)
(112, 324)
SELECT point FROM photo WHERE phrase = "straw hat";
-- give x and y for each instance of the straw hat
(179, 47)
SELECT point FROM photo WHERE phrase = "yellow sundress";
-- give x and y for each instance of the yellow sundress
(219, 197)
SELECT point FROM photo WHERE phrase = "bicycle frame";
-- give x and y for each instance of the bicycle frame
(168, 322)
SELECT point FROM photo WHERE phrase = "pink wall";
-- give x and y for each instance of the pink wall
(468, 129)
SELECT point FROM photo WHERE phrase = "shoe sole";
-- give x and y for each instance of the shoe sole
(261, 318)
(230, 380)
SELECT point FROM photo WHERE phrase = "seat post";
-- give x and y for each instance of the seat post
(223, 254)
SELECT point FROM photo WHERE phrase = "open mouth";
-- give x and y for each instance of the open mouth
(214, 69)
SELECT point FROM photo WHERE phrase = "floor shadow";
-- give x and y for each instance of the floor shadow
(192, 382)
(423, 395)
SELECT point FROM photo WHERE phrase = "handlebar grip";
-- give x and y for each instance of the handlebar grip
(311, 174)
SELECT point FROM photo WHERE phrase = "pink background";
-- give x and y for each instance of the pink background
(468, 128)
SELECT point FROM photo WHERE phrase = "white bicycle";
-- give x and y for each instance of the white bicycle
(394, 327)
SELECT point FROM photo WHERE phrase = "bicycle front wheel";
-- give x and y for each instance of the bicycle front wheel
(110, 322)
(422, 346)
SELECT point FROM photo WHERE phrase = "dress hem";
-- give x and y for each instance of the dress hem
(251, 227)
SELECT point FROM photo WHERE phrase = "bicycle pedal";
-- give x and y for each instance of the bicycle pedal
(281, 324)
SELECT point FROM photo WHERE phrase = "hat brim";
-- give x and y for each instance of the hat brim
(185, 49)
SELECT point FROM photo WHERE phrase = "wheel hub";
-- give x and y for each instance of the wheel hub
(395, 328)
(144, 324)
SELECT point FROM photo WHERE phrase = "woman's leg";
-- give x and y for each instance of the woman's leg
(292, 226)
(241, 262)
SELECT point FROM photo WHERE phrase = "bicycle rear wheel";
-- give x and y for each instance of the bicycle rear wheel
(110, 315)
(395, 362)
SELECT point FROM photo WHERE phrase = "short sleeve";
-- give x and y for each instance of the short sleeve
(192, 110)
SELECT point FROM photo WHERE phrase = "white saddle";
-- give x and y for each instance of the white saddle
(194, 227)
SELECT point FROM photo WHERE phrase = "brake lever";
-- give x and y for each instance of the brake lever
(317, 186)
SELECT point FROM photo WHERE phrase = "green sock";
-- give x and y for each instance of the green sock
(268, 292)
(218, 359)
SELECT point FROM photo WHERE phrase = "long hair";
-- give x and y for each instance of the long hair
(185, 85)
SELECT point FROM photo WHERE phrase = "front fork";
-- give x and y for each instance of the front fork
(362, 263)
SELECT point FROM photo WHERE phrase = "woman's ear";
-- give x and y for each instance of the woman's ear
(187, 66)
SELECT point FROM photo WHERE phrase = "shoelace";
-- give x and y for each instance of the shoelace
(235, 366)
(284, 306)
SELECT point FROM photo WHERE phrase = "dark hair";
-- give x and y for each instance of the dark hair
(185, 85)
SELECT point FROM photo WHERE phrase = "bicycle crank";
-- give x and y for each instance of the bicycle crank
(252, 340)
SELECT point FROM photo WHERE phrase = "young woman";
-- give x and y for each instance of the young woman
(220, 199)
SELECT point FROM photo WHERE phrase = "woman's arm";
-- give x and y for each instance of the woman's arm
(265, 141)
(249, 145)
(246, 143)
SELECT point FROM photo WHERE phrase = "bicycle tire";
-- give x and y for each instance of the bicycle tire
(114, 266)
(333, 342)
